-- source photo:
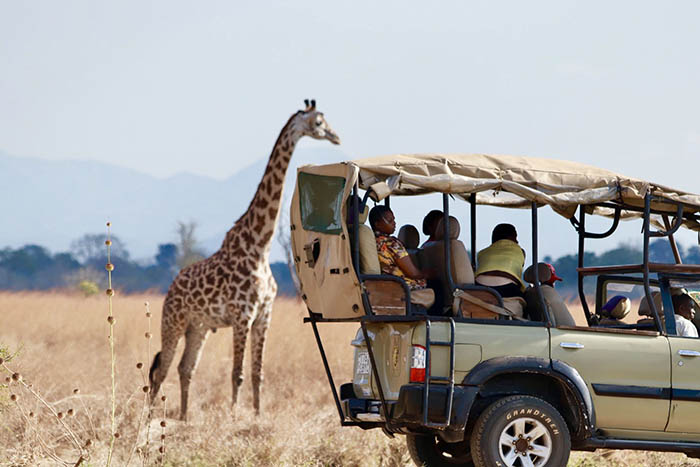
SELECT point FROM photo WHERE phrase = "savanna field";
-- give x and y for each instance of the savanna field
(59, 343)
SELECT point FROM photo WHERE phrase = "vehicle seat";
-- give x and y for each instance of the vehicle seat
(615, 310)
(558, 311)
(369, 261)
(644, 310)
(432, 255)
(409, 236)
(431, 259)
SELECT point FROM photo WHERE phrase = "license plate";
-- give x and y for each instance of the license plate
(362, 367)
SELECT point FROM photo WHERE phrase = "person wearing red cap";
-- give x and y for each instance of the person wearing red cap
(554, 277)
(555, 306)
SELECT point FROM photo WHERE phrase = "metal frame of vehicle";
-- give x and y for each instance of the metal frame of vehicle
(411, 412)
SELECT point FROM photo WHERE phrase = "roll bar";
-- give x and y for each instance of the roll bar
(580, 226)
(607, 233)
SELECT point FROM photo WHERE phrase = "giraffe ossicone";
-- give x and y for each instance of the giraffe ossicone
(234, 287)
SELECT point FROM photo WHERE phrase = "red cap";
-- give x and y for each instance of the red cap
(554, 277)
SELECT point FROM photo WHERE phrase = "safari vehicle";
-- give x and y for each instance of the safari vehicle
(474, 384)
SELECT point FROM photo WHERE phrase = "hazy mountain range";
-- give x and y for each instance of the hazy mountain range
(51, 203)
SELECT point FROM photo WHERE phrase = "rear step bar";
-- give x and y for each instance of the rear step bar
(429, 378)
(385, 406)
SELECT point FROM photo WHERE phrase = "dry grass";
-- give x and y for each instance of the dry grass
(64, 345)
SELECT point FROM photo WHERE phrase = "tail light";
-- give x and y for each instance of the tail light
(418, 364)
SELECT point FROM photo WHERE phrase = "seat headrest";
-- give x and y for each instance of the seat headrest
(454, 229)
(409, 236)
(645, 309)
(543, 271)
(617, 307)
(363, 214)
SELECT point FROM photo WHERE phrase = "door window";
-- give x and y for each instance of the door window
(321, 201)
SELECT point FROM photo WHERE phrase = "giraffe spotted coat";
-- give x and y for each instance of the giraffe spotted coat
(233, 287)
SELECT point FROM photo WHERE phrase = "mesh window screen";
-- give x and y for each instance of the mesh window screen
(321, 201)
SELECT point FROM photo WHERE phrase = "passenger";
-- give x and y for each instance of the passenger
(553, 278)
(430, 222)
(500, 266)
(684, 307)
(393, 257)
(559, 314)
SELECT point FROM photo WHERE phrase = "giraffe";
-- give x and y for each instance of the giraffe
(234, 287)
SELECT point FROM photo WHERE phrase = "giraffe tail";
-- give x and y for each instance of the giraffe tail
(154, 366)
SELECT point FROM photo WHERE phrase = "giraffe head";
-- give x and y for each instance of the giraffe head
(313, 123)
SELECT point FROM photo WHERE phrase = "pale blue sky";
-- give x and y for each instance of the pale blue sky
(204, 87)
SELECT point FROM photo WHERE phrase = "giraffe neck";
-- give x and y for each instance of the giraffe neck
(252, 234)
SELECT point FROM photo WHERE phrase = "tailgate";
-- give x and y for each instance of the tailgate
(391, 345)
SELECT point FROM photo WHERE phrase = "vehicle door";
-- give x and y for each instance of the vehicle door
(627, 371)
(685, 380)
(685, 385)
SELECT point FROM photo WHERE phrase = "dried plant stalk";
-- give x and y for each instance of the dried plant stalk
(110, 320)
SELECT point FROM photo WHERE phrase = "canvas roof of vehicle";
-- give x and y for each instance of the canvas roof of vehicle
(515, 182)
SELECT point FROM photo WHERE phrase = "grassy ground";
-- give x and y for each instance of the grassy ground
(63, 346)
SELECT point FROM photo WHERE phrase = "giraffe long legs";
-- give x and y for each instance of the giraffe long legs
(240, 335)
(170, 335)
(258, 332)
(194, 341)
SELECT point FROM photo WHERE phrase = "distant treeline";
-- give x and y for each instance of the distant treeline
(659, 252)
(33, 267)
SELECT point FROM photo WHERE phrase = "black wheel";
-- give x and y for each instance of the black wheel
(432, 451)
(520, 431)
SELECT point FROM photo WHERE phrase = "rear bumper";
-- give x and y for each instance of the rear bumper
(406, 413)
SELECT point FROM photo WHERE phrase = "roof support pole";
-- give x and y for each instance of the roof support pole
(581, 246)
(535, 235)
(446, 240)
(472, 226)
(646, 221)
(356, 240)
(672, 241)
(356, 228)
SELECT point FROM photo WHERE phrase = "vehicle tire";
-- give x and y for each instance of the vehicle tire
(432, 451)
(520, 431)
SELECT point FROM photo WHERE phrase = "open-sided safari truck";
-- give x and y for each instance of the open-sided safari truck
(472, 382)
